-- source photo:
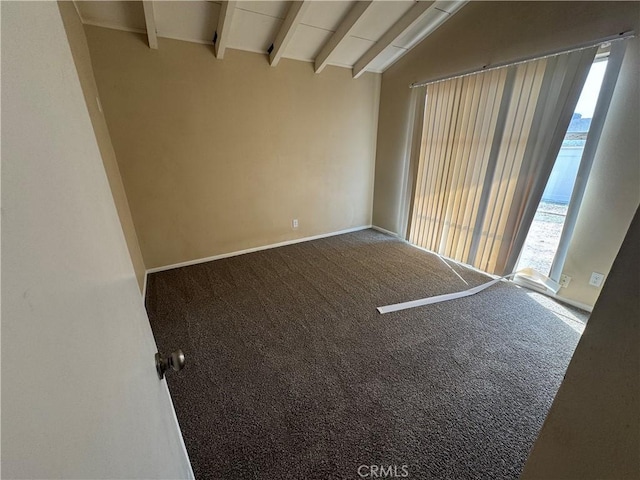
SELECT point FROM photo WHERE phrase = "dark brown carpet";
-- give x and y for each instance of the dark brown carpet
(292, 373)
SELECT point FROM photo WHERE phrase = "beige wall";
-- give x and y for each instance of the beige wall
(593, 427)
(613, 190)
(220, 155)
(80, 53)
(485, 33)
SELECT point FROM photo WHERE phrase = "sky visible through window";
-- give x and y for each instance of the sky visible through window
(587, 101)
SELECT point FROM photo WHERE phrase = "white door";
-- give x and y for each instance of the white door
(80, 395)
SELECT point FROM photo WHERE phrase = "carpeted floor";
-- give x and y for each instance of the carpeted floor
(292, 373)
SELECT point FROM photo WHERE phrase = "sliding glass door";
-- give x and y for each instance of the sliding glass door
(544, 235)
(489, 142)
(504, 156)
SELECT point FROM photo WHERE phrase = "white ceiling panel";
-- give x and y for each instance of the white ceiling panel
(350, 51)
(432, 19)
(192, 21)
(386, 58)
(272, 8)
(123, 15)
(253, 32)
(380, 18)
(326, 15)
(255, 25)
(306, 43)
(450, 6)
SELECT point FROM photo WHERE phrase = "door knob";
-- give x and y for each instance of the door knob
(174, 361)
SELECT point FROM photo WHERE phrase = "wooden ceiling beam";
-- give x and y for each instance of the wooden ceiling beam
(150, 21)
(408, 20)
(342, 32)
(227, 8)
(284, 36)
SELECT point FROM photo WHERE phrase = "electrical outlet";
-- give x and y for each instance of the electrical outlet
(596, 279)
(565, 280)
(294, 223)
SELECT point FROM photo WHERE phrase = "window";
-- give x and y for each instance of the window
(544, 235)
(489, 141)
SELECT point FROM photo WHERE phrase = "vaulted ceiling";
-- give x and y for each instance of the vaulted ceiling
(361, 35)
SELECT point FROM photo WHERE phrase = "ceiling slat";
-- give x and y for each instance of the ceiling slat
(406, 22)
(343, 31)
(225, 18)
(293, 18)
(150, 20)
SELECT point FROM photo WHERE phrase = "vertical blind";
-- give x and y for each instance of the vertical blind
(488, 144)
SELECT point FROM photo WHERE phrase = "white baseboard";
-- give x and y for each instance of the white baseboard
(384, 230)
(573, 303)
(254, 249)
